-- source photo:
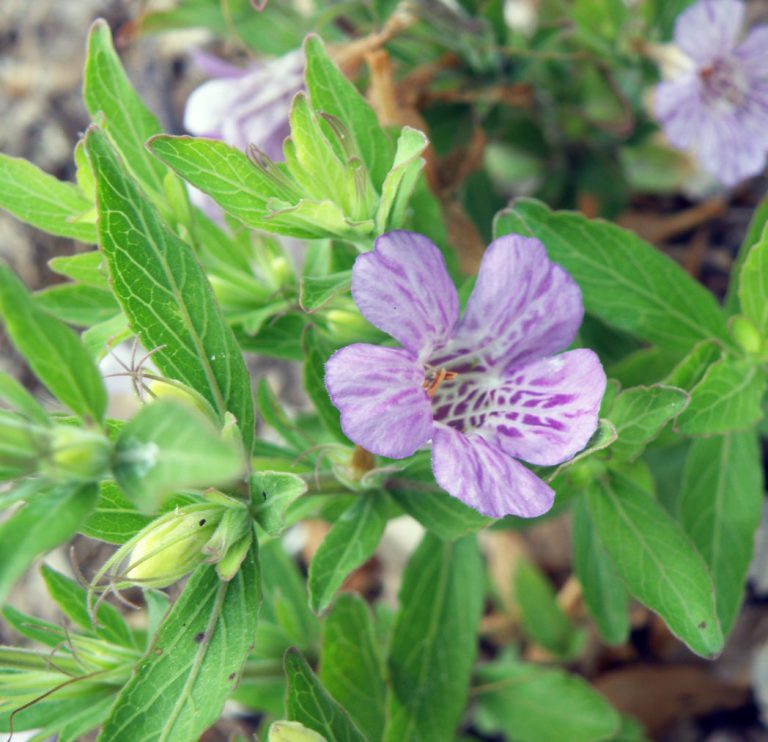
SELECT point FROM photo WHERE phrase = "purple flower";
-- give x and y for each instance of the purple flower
(485, 389)
(246, 106)
(717, 104)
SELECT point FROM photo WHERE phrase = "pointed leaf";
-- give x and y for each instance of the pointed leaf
(179, 688)
(656, 560)
(434, 640)
(310, 704)
(351, 667)
(43, 201)
(753, 285)
(351, 541)
(165, 293)
(52, 350)
(720, 505)
(271, 494)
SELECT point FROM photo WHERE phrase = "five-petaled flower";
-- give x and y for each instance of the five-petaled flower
(716, 103)
(486, 389)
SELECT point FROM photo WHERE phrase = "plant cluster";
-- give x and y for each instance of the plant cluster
(582, 372)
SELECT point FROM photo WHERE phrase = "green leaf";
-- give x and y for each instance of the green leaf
(52, 350)
(331, 92)
(73, 602)
(691, 369)
(351, 541)
(285, 617)
(78, 304)
(115, 518)
(271, 412)
(656, 560)
(179, 688)
(720, 504)
(626, 282)
(230, 179)
(727, 399)
(756, 227)
(529, 703)
(542, 618)
(401, 179)
(47, 520)
(351, 667)
(434, 640)
(604, 593)
(316, 291)
(88, 268)
(34, 628)
(271, 494)
(19, 399)
(108, 91)
(309, 703)
(100, 339)
(317, 352)
(43, 201)
(640, 413)
(753, 285)
(165, 293)
(168, 447)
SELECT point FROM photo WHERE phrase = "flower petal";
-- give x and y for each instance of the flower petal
(523, 305)
(753, 51)
(545, 412)
(709, 29)
(486, 478)
(379, 393)
(404, 289)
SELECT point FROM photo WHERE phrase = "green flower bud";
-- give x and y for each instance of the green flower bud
(179, 392)
(21, 445)
(234, 524)
(292, 731)
(77, 454)
(172, 546)
(746, 335)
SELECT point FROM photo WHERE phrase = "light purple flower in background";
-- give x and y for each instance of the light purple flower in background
(246, 106)
(486, 389)
(717, 104)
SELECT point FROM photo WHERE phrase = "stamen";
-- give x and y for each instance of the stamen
(435, 378)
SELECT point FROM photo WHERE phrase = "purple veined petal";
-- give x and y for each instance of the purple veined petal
(545, 412)
(523, 305)
(403, 288)
(679, 107)
(753, 51)
(709, 29)
(728, 149)
(379, 393)
(486, 478)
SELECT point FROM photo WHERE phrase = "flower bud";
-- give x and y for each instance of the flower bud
(180, 392)
(172, 546)
(292, 731)
(20, 445)
(77, 454)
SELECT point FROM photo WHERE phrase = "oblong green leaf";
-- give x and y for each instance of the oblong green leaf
(720, 504)
(179, 687)
(434, 640)
(727, 399)
(656, 560)
(165, 293)
(351, 668)
(108, 91)
(604, 593)
(47, 520)
(310, 704)
(537, 704)
(753, 284)
(43, 201)
(52, 350)
(625, 281)
(351, 541)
